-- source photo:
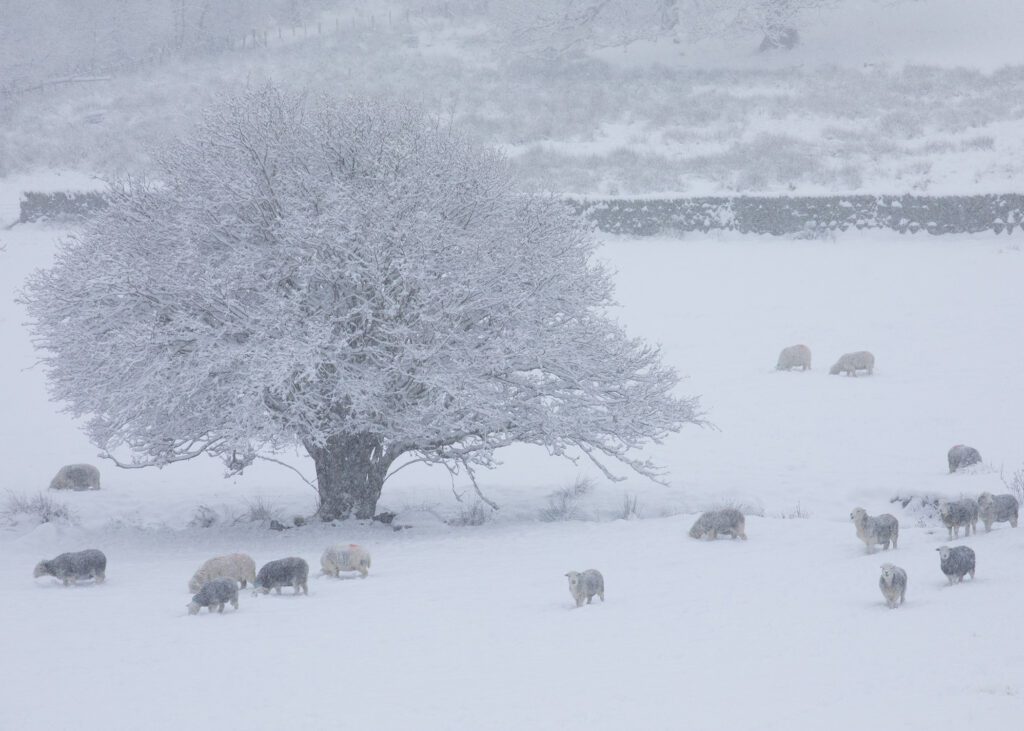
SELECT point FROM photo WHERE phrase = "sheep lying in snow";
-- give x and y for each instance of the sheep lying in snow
(960, 455)
(893, 583)
(795, 356)
(729, 522)
(878, 530)
(850, 363)
(586, 585)
(956, 562)
(215, 594)
(73, 567)
(959, 514)
(351, 557)
(237, 566)
(76, 477)
(290, 571)
(997, 509)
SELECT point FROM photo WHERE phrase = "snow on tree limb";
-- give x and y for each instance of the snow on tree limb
(343, 276)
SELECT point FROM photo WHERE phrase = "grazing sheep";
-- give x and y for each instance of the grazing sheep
(959, 514)
(962, 456)
(893, 583)
(956, 562)
(795, 356)
(215, 594)
(290, 571)
(237, 566)
(850, 363)
(586, 585)
(997, 509)
(352, 557)
(76, 477)
(878, 530)
(72, 567)
(728, 521)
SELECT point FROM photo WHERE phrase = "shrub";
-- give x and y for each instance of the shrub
(36, 509)
(563, 504)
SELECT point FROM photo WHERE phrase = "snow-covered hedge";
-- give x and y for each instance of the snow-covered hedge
(780, 215)
(60, 206)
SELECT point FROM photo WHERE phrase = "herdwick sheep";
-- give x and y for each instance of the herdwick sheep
(290, 571)
(893, 583)
(586, 585)
(959, 514)
(960, 455)
(215, 594)
(795, 356)
(729, 522)
(73, 567)
(850, 363)
(351, 557)
(76, 477)
(956, 562)
(237, 566)
(875, 530)
(997, 509)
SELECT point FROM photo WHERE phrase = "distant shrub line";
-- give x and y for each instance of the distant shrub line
(787, 215)
(778, 215)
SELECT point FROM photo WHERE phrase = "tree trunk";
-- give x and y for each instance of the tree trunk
(350, 472)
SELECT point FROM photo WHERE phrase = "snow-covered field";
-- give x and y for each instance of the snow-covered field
(473, 627)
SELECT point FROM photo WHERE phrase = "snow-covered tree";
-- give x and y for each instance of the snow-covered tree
(355, 279)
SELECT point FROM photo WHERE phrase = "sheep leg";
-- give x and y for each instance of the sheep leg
(590, 598)
(1013, 522)
(278, 589)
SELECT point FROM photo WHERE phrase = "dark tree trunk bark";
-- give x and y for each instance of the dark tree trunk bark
(350, 472)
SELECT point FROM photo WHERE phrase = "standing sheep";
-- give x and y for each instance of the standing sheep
(997, 509)
(290, 571)
(893, 583)
(728, 521)
(73, 567)
(850, 363)
(960, 455)
(352, 557)
(956, 562)
(878, 530)
(959, 514)
(215, 594)
(586, 585)
(795, 356)
(237, 566)
(76, 477)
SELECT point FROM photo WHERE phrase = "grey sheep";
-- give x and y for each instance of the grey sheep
(215, 594)
(73, 567)
(76, 477)
(290, 571)
(875, 530)
(959, 514)
(962, 456)
(956, 562)
(850, 363)
(586, 585)
(728, 521)
(997, 509)
(795, 356)
(893, 583)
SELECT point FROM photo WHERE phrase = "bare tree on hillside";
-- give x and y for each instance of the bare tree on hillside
(353, 278)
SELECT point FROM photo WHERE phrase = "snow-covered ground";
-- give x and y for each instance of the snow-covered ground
(472, 627)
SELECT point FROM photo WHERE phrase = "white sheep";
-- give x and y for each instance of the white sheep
(875, 530)
(962, 513)
(997, 509)
(237, 566)
(342, 557)
(586, 585)
(795, 356)
(893, 583)
(850, 363)
(76, 477)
